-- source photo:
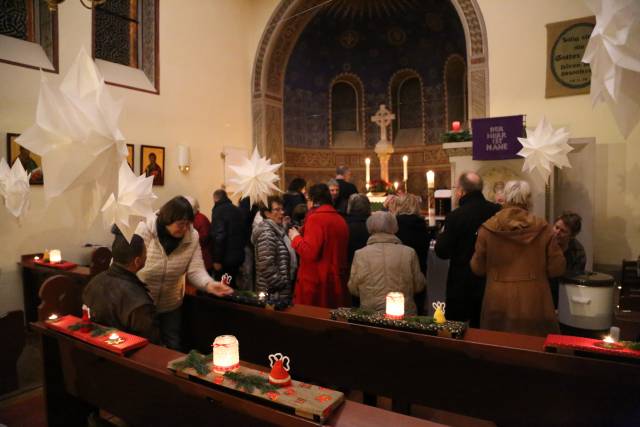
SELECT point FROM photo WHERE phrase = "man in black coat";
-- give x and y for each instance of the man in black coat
(343, 176)
(457, 242)
(228, 236)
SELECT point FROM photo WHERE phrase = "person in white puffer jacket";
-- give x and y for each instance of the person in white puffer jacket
(173, 251)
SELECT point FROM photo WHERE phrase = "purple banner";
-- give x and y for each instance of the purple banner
(496, 138)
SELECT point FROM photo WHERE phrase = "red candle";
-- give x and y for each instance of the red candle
(455, 126)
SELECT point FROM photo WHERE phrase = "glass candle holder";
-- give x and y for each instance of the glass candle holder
(55, 256)
(395, 305)
(226, 354)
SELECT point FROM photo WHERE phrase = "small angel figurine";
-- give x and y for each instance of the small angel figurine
(279, 375)
(438, 316)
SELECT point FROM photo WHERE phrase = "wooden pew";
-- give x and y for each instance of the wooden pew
(61, 295)
(140, 389)
(506, 378)
(14, 339)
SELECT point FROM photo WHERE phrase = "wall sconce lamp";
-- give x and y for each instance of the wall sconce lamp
(184, 158)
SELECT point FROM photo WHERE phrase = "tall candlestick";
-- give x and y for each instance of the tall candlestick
(431, 179)
(405, 168)
(367, 171)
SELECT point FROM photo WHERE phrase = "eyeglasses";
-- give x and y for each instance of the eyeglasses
(277, 209)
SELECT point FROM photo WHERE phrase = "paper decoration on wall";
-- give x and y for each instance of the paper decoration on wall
(255, 178)
(14, 188)
(614, 55)
(132, 204)
(76, 131)
(545, 148)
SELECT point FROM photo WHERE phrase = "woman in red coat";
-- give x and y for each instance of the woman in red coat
(322, 247)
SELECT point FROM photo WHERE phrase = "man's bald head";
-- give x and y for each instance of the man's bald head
(470, 182)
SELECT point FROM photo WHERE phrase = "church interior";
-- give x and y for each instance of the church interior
(398, 212)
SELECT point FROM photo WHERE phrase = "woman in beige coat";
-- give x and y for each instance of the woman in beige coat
(517, 252)
(385, 265)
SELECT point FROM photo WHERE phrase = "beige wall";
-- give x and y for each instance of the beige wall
(517, 60)
(206, 58)
(207, 52)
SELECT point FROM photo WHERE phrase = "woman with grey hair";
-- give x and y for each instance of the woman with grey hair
(385, 265)
(337, 201)
(358, 210)
(518, 254)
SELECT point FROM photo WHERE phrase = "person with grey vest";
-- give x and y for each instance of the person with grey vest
(117, 298)
(276, 260)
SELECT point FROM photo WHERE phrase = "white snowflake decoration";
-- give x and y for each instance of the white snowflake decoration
(76, 131)
(14, 188)
(545, 148)
(255, 178)
(613, 53)
(132, 204)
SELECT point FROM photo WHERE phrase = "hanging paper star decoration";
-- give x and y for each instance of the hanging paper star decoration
(76, 131)
(255, 178)
(133, 203)
(613, 53)
(545, 148)
(14, 188)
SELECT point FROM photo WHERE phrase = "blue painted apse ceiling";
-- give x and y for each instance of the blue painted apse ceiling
(373, 43)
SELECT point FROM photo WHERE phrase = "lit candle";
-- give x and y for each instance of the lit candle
(455, 126)
(36, 258)
(226, 355)
(114, 337)
(405, 167)
(395, 305)
(262, 296)
(431, 179)
(55, 256)
(53, 317)
(396, 185)
(367, 171)
(609, 340)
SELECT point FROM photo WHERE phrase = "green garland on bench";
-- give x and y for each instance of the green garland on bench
(250, 382)
(420, 324)
(195, 360)
(96, 330)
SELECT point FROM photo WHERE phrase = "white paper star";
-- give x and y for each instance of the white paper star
(255, 178)
(14, 188)
(76, 131)
(545, 148)
(133, 203)
(613, 53)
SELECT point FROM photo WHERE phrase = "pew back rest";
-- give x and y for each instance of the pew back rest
(60, 295)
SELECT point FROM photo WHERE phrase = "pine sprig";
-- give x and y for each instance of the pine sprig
(193, 360)
(422, 320)
(632, 345)
(250, 382)
(96, 330)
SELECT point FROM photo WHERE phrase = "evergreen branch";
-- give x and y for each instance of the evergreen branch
(250, 382)
(193, 360)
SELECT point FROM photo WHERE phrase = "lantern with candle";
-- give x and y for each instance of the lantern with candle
(226, 354)
(55, 256)
(395, 306)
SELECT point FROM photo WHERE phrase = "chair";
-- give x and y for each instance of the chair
(60, 295)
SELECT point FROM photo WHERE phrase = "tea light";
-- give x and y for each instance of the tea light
(36, 258)
(395, 305)
(115, 339)
(262, 296)
(53, 318)
(609, 340)
(226, 354)
(55, 256)
(455, 126)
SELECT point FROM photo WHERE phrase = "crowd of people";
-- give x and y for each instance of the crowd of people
(324, 247)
